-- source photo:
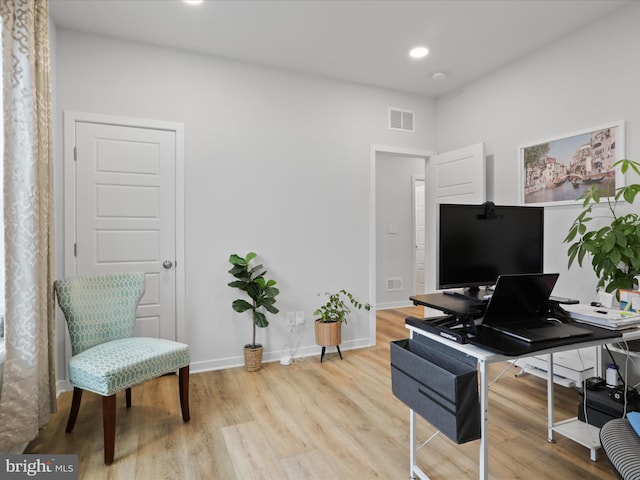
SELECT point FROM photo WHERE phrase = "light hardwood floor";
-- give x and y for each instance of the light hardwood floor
(335, 420)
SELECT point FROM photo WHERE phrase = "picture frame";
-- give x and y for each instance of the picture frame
(556, 171)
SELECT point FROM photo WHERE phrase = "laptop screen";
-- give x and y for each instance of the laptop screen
(519, 297)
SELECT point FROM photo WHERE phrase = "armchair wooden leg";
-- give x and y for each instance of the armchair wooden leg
(128, 395)
(75, 408)
(109, 427)
(183, 382)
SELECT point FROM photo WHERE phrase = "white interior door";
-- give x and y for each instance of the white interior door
(125, 213)
(457, 176)
(419, 216)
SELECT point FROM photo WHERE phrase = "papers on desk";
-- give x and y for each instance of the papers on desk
(603, 317)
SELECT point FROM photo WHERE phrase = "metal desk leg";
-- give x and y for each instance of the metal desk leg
(412, 442)
(484, 409)
(550, 398)
(415, 471)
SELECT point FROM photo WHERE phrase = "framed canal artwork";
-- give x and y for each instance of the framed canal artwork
(558, 170)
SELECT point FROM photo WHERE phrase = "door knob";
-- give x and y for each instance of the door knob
(167, 264)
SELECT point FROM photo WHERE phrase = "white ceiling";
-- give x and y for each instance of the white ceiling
(359, 41)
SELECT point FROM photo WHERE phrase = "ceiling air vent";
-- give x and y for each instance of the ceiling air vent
(401, 120)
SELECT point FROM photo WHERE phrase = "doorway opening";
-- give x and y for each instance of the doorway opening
(392, 235)
(455, 176)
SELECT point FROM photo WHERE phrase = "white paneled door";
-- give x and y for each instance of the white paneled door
(125, 213)
(458, 176)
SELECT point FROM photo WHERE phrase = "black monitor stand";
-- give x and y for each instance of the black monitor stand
(470, 293)
(474, 293)
(461, 310)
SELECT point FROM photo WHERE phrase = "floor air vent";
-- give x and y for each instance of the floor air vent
(394, 284)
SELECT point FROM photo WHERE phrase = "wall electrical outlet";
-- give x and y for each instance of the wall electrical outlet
(291, 318)
(299, 318)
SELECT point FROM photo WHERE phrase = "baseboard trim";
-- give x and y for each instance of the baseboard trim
(274, 356)
(390, 305)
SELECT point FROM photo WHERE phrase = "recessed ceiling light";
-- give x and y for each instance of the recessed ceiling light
(193, 2)
(419, 52)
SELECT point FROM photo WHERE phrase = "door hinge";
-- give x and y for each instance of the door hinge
(75, 249)
(75, 154)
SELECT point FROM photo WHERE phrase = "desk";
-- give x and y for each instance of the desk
(485, 356)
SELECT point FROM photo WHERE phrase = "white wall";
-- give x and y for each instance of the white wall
(589, 79)
(394, 206)
(276, 162)
(279, 163)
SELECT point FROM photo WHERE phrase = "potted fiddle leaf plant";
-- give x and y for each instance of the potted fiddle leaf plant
(332, 315)
(261, 293)
(614, 247)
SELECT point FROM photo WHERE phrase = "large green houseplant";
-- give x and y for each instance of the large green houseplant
(615, 247)
(262, 295)
(332, 315)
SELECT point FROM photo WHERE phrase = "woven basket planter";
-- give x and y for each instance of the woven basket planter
(252, 357)
(328, 334)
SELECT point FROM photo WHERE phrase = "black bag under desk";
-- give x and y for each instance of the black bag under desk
(439, 383)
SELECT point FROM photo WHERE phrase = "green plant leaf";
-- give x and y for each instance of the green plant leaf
(238, 270)
(583, 216)
(571, 252)
(582, 228)
(615, 257)
(572, 233)
(581, 255)
(241, 305)
(260, 319)
(608, 243)
(621, 239)
(630, 193)
(237, 260)
(270, 308)
(254, 290)
(241, 284)
(271, 291)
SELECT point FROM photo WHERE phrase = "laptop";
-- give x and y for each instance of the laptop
(519, 308)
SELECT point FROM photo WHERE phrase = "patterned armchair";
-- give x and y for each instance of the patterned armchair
(100, 313)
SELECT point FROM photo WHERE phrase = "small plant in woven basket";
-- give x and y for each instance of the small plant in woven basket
(328, 327)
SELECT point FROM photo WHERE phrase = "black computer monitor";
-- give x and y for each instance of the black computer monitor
(477, 243)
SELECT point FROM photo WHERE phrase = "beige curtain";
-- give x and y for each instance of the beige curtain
(27, 398)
